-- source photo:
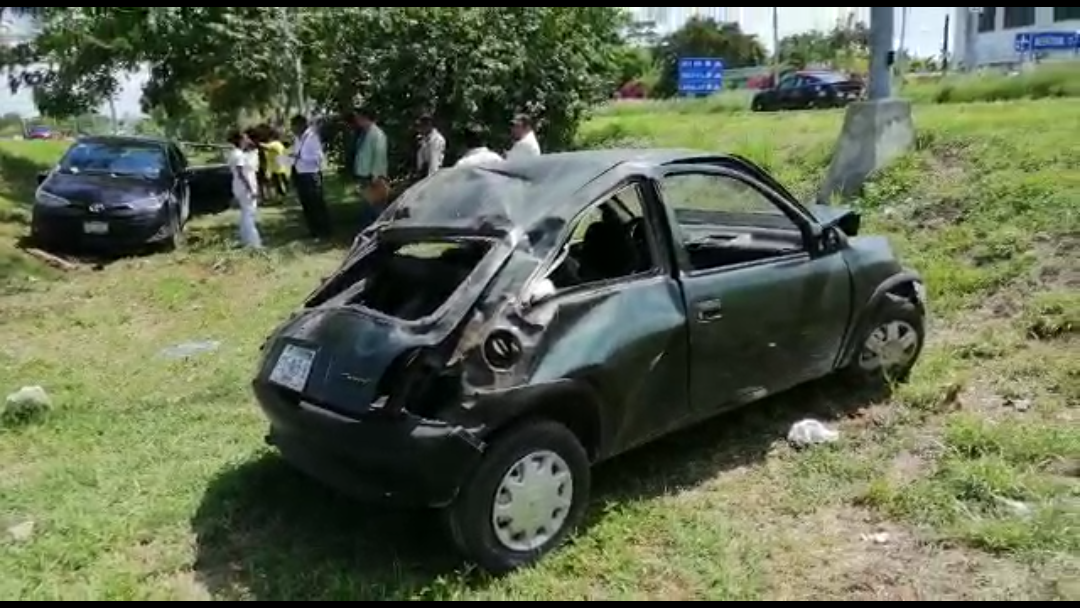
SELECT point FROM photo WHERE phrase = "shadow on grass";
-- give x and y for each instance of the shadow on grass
(268, 533)
(281, 222)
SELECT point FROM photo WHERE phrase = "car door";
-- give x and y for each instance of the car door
(618, 327)
(766, 308)
(787, 92)
(181, 187)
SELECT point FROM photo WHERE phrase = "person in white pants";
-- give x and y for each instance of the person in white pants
(243, 161)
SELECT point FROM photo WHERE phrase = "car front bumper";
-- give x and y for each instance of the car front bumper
(401, 460)
(124, 228)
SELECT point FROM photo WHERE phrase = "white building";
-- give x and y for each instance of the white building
(987, 36)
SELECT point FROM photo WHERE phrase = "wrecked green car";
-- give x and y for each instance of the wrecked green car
(502, 328)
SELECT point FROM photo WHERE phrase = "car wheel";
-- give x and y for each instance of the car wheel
(756, 106)
(528, 494)
(891, 346)
(177, 239)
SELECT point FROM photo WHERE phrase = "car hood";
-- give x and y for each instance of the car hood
(109, 190)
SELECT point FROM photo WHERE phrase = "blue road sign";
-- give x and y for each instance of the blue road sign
(700, 75)
(1046, 41)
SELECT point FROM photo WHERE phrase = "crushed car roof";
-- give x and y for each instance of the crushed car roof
(529, 194)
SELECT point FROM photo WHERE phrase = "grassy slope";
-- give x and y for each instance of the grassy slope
(149, 479)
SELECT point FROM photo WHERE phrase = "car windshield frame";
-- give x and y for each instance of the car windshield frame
(115, 158)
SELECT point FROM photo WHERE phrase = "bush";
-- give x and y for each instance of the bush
(1047, 80)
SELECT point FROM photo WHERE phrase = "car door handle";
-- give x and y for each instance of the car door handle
(709, 310)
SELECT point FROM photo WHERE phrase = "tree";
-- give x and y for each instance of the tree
(464, 64)
(468, 66)
(841, 48)
(704, 37)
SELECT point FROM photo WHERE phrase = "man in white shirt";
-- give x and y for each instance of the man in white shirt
(307, 172)
(525, 143)
(477, 153)
(429, 158)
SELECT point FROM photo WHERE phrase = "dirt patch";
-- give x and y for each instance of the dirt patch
(1058, 267)
(849, 554)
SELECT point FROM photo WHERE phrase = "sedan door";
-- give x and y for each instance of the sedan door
(766, 311)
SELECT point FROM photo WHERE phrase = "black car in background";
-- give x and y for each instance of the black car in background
(113, 193)
(807, 90)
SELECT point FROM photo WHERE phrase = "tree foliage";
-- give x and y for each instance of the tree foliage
(466, 65)
(704, 37)
(840, 47)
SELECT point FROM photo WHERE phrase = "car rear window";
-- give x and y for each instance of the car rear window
(406, 280)
(828, 77)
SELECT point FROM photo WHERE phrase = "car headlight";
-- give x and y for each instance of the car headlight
(150, 202)
(47, 199)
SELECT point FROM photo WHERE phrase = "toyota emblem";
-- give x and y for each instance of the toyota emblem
(97, 208)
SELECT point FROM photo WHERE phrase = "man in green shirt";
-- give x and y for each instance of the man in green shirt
(371, 165)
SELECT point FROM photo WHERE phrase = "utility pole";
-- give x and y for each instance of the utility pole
(776, 39)
(945, 47)
(902, 50)
(881, 50)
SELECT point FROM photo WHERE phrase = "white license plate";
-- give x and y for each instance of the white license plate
(96, 228)
(293, 368)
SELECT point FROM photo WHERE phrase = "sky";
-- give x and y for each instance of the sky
(924, 34)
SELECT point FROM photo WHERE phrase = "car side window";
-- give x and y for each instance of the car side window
(608, 241)
(789, 82)
(724, 221)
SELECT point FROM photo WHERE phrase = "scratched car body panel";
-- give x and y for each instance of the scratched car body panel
(619, 295)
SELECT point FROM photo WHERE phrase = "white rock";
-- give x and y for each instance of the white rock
(33, 395)
(811, 432)
(881, 538)
(25, 405)
(22, 532)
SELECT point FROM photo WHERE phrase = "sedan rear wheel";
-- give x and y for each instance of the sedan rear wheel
(526, 497)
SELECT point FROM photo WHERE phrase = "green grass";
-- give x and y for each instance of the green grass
(149, 480)
(1052, 80)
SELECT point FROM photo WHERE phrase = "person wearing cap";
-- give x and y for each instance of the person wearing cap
(525, 143)
(429, 158)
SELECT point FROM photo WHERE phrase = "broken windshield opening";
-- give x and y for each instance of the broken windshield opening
(408, 281)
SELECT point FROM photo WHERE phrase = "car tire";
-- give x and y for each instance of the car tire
(177, 239)
(756, 106)
(558, 498)
(890, 345)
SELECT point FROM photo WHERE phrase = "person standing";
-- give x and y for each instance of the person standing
(477, 153)
(429, 158)
(307, 171)
(243, 162)
(371, 167)
(277, 171)
(525, 143)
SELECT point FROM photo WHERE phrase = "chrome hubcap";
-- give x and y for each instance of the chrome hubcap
(891, 345)
(533, 501)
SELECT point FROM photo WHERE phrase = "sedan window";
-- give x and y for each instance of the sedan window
(724, 221)
(118, 158)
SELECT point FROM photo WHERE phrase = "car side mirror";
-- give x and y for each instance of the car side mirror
(42, 176)
(850, 224)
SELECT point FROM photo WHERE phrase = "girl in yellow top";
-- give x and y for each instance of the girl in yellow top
(277, 173)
